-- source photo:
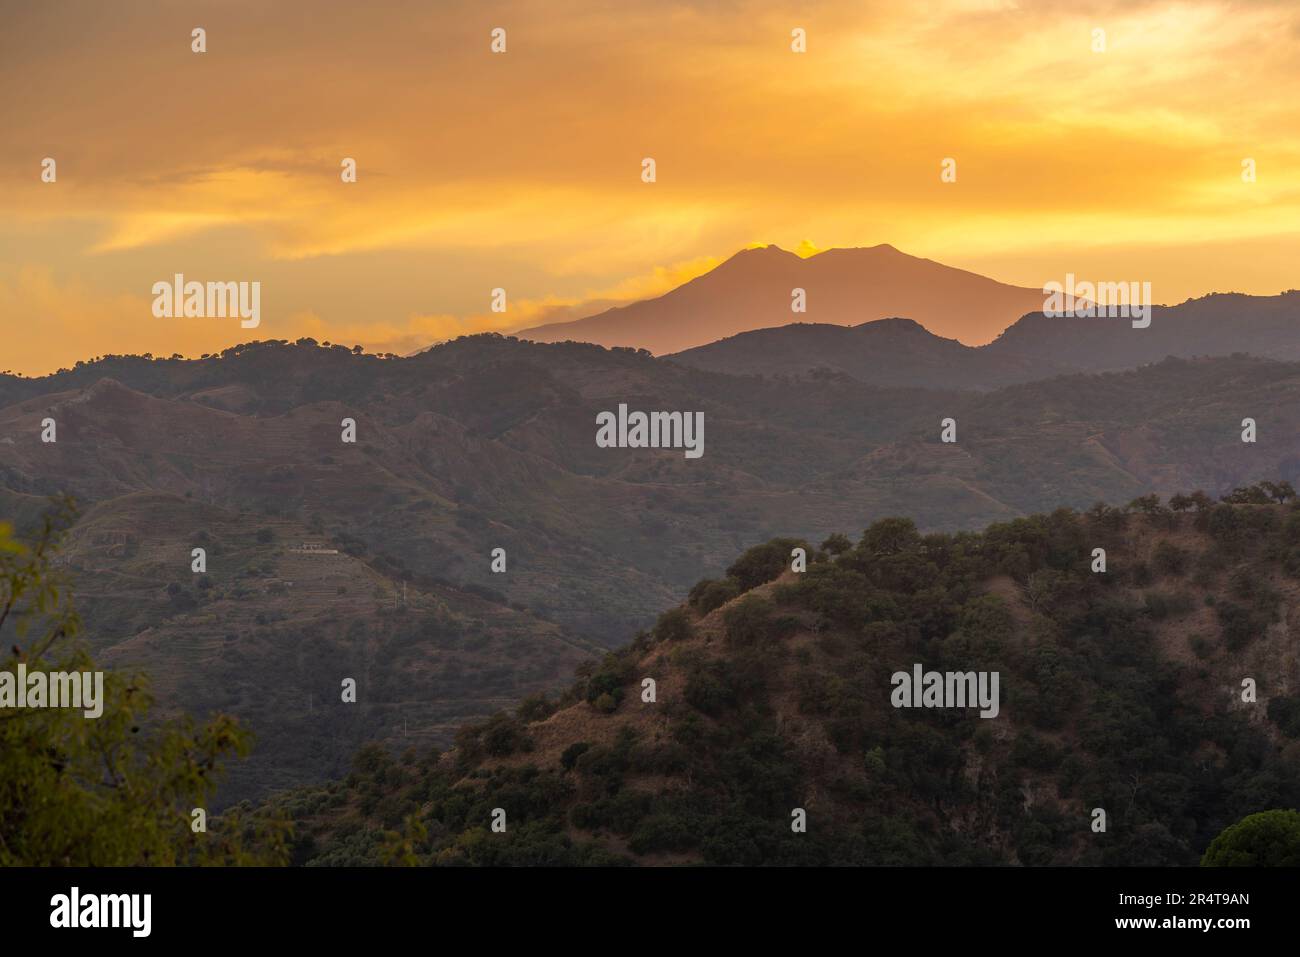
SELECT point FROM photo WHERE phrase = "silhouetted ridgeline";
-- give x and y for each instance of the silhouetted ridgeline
(900, 352)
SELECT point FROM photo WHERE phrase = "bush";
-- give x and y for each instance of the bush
(762, 563)
(749, 621)
(604, 684)
(536, 707)
(1284, 711)
(1240, 626)
(1169, 559)
(706, 691)
(837, 544)
(503, 735)
(1266, 839)
(663, 832)
(571, 754)
(710, 594)
(673, 625)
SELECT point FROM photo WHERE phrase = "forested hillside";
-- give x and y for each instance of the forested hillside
(1163, 691)
(488, 443)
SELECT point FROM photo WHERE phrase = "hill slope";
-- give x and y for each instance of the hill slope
(270, 631)
(1120, 691)
(488, 442)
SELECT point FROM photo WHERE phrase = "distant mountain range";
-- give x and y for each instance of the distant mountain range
(489, 442)
(900, 352)
(843, 287)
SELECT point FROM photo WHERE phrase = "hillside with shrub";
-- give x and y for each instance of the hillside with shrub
(1121, 690)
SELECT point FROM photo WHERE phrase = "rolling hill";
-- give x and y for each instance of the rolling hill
(772, 694)
(488, 442)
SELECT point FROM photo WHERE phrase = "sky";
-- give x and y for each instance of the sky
(522, 170)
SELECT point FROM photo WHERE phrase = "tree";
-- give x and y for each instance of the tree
(837, 544)
(748, 622)
(762, 563)
(1279, 492)
(673, 625)
(1249, 495)
(709, 594)
(889, 536)
(1147, 504)
(1266, 839)
(81, 791)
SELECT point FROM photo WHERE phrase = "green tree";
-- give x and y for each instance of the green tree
(673, 625)
(889, 536)
(1266, 839)
(837, 544)
(79, 791)
(749, 621)
(762, 563)
(709, 594)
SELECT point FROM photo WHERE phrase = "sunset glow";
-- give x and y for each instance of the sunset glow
(522, 170)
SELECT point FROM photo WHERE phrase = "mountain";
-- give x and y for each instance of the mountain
(488, 442)
(890, 353)
(773, 694)
(900, 353)
(845, 287)
(1214, 325)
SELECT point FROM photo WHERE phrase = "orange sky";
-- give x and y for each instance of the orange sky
(522, 170)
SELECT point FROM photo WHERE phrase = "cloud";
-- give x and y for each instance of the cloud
(523, 170)
(51, 324)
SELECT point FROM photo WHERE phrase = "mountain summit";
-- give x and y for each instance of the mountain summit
(843, 287)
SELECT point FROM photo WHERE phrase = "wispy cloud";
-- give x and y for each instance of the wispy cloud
(522, 170)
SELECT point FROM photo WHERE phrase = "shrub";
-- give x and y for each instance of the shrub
(711, 593)
(1169, 559)
(749, 621)
(762, 563)
(1266, 839)
(673, 625)
(571, 754)
(1284, 711)
(1240, 626)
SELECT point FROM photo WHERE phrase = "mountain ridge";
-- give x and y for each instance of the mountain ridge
(1034, 347)
(753, 289)
(488, 442)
